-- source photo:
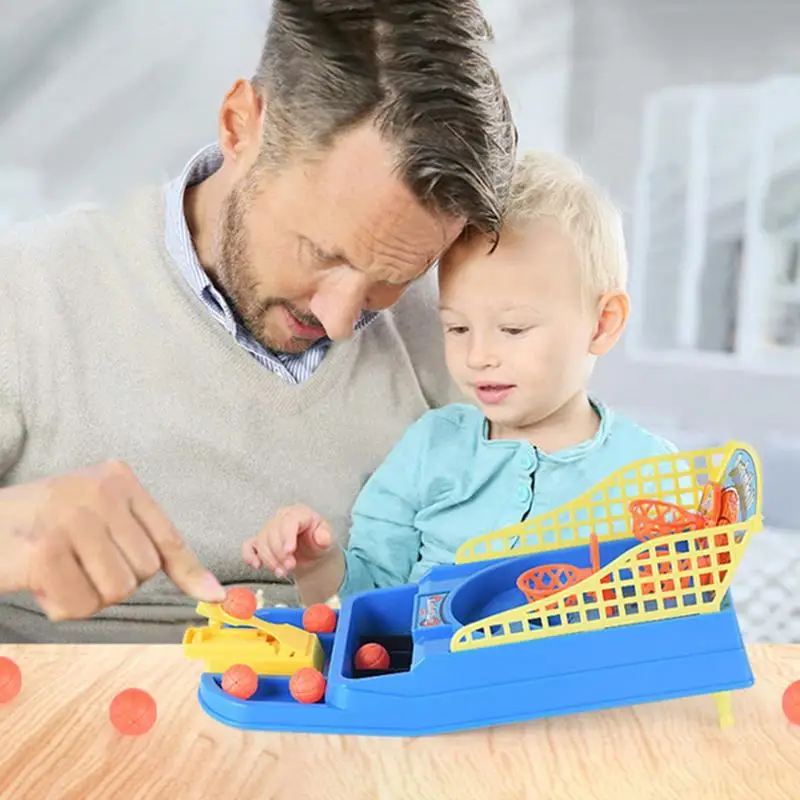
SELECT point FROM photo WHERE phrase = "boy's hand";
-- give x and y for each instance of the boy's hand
(294, 538)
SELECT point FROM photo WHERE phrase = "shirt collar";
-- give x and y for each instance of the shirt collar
(201, 166)
(567, 454)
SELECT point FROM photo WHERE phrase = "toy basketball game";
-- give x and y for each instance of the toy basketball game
(619, 597)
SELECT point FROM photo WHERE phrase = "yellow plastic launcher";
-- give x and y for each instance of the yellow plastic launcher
(267, 648)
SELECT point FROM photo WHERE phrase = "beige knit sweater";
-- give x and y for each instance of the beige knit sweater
(106, 353)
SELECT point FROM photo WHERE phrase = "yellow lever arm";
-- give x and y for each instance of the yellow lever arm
(287, 636)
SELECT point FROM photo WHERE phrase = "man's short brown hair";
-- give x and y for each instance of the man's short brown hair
(418, 70)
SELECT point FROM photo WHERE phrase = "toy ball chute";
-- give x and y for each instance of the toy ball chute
(653, 518)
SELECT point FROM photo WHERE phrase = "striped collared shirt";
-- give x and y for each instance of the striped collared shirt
(292, 367)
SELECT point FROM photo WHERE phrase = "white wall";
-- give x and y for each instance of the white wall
(533, 53)
(99, 95)
(625, 50)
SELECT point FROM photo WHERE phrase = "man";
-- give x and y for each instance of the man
(262, 332)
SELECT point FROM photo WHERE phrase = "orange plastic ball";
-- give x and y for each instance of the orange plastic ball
(10, 680)
(307, 685)
(240, 602)
(372, 656)
(319, 618)
(133, 712)
(791, 703)
(240, 681)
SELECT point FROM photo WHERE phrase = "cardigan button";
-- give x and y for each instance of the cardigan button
(529, 461)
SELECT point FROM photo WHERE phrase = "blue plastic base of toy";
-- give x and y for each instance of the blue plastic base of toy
(505, 684)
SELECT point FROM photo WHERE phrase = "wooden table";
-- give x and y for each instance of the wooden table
(57, 743)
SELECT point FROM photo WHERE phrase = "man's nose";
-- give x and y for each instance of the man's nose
(339, 308)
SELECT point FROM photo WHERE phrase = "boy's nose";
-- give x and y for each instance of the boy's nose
(481, 356)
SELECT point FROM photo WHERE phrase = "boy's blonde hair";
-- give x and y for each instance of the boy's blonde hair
(550, 186)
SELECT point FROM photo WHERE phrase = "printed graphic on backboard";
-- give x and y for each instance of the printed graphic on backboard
(740, 477)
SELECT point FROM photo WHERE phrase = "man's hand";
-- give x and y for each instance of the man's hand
(295, 538)
(88, 540)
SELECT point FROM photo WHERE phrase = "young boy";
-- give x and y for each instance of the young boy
(523, 327)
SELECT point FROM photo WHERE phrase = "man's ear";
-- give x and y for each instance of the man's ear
(240, 122)
(613, 310)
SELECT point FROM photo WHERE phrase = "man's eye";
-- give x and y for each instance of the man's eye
(326, 258)
(319, 255)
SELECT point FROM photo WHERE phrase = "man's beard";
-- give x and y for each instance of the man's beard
(236, 277)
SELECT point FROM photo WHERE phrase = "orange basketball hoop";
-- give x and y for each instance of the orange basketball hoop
(654, 518)
(548, 579)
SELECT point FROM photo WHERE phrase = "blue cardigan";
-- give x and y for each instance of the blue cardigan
(445, 482)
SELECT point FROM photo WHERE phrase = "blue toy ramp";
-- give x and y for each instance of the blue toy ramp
(451, 691)
(620, 597)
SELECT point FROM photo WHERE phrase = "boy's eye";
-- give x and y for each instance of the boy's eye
(513, 331)
(457, 329)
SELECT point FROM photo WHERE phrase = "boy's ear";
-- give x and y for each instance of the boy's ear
(613, 309)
